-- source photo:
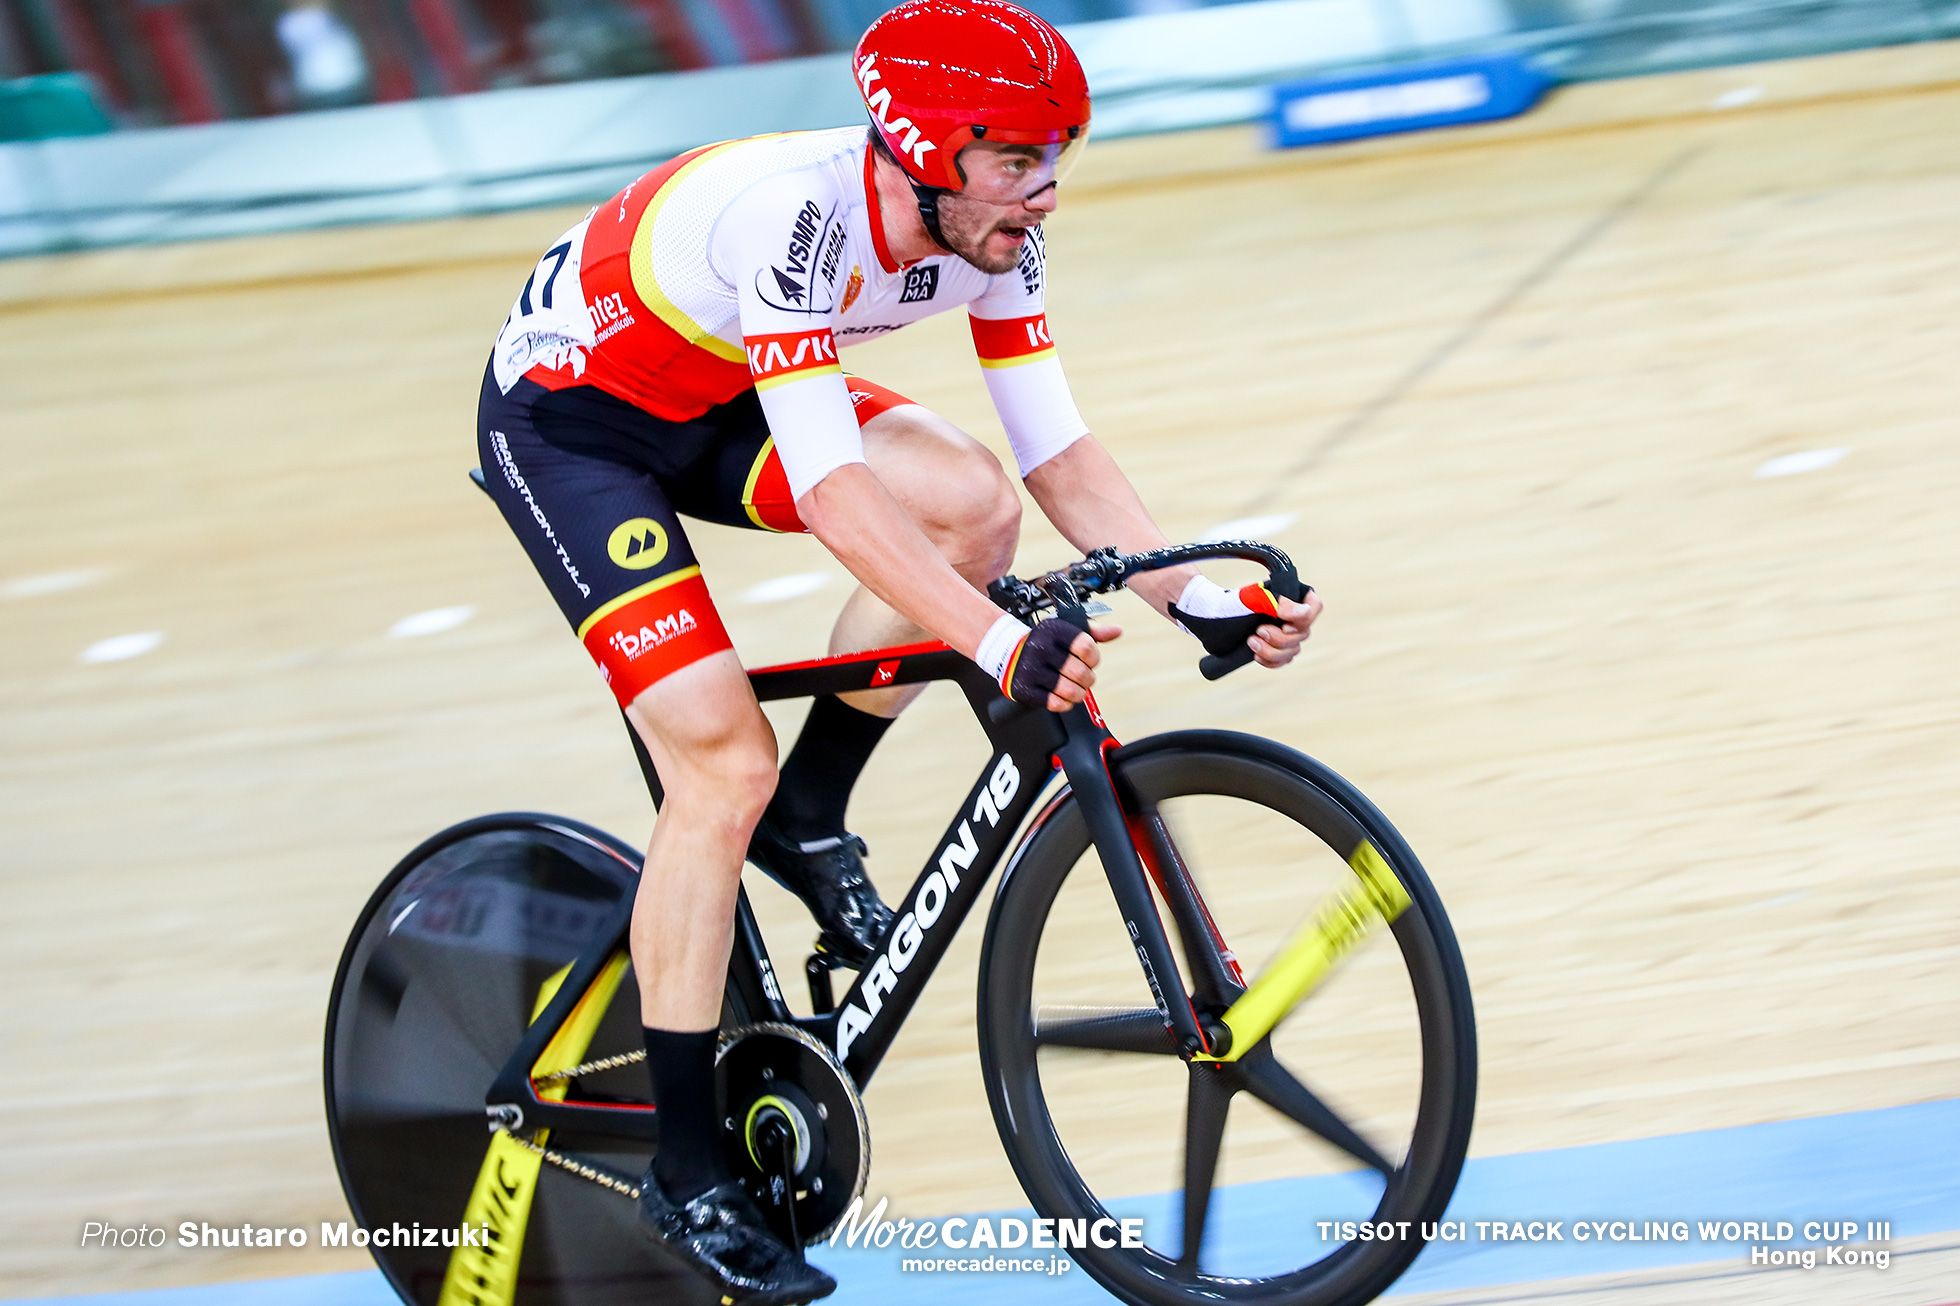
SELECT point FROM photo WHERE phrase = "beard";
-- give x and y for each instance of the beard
(969, 227)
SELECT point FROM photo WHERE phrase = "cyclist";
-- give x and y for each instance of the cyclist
(675, 353)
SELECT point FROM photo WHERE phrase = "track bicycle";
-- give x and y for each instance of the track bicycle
(1119, 1033)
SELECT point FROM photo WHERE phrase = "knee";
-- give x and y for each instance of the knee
(723, 762)
(743, 758)
(988, 528)
(733, 782)
(954, 488)
(751, 783)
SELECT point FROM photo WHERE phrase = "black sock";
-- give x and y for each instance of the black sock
(817, 778)
(690, 1159)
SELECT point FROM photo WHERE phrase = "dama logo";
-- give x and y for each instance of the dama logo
(663, 630)
(666, 628)
(637, 544)
(921, 284)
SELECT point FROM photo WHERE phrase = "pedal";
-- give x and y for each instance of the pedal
(794, 1131)
(823, 1000)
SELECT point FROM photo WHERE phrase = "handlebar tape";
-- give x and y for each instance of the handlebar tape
(1225, 638)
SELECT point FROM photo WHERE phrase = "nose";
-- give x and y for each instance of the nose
(1045, 200)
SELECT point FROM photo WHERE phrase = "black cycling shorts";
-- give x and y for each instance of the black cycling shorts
(595, 489)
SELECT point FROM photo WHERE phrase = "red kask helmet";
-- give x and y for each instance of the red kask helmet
(938, 74)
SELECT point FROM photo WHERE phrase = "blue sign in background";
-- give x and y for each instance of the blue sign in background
(1409, 97)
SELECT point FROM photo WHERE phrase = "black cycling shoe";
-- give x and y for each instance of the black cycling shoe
(723, 1237)
(828, 875)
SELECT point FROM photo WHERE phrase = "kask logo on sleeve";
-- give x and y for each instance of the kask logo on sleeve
(1009, 342)
(790, 356)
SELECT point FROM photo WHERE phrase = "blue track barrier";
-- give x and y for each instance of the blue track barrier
(1413, 97)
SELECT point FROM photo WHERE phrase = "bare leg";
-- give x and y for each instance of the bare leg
(716, 757)
(960, 497)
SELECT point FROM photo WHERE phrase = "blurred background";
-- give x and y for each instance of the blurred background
(146, 63)
(471, 106)
(1619, 435)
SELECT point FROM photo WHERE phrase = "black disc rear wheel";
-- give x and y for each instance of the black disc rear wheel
(1355, 1108)
(440, 979)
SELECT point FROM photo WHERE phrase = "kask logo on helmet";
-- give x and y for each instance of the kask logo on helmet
(937, 75)
(880, 100)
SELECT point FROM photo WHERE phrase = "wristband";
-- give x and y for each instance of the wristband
(1221, 619)
(997, 646)
(1204, 598)
(1033, 673)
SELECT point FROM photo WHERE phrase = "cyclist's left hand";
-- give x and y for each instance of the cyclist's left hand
(1223, 620)
(1275, 646)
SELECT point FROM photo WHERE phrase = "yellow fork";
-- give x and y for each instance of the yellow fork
(1330, 934)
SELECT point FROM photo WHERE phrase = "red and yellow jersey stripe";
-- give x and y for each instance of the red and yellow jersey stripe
(1010, 342)
(790, 356)
(655, 357)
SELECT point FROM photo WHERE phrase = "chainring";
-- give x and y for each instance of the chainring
(773, 1071)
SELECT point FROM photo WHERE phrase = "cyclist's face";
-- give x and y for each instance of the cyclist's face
(1009, 188)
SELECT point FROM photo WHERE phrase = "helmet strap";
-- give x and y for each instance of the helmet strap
(927, 196)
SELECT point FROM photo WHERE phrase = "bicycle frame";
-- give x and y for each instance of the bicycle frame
(1027, 746)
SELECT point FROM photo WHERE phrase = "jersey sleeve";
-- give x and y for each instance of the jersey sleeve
(779, 246)
(1017, 357)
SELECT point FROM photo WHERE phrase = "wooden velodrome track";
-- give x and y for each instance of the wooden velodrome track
(1672, 738)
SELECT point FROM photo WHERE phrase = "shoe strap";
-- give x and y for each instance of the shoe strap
(834, 841)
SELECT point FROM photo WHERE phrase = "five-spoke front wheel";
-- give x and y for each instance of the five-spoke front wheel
(1356, 1105)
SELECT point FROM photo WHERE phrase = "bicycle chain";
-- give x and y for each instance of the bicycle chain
(592, 1067)
(606, 1179)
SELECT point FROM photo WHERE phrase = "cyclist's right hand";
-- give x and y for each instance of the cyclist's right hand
(1053, 665)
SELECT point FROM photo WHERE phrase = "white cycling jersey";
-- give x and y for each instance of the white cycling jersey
(748, 264)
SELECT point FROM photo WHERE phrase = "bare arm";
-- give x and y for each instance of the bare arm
(856, 518)
(1092, 503)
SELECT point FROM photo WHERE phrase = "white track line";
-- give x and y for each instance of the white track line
(54, 582)
(1790, 464)
(783, 588)
(121, 648)
(432, 622)
(1251, 528)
